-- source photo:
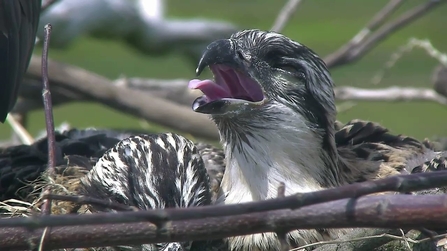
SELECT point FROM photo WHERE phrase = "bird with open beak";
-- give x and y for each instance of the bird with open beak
(273, 102)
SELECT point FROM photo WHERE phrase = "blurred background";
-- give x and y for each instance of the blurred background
(322, 25)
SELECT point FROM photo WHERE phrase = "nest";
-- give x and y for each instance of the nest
(65, 182)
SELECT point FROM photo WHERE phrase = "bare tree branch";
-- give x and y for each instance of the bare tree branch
(356, 48)
(177, 91)
(381, 16)
(371, 239)
(439, 79)
(392, 93)
(90, 200)
(49, 124)
(76, 85)
(24, 136)
(375, 22)
(65, 89)
(363, 239)
(424, 44)
(382, 211)
(401, 183)
(95, 87)
(285, 14)
(172, 89)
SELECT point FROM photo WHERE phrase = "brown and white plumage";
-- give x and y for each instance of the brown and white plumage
(120, 173)
(151, 171)
(127, 167)
(274, 106)
(273, 102)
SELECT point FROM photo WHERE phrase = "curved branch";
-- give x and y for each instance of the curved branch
(98, 88)
(392, 93)
(356, 48)
(285, 14)
(65, 90)
(382, 211)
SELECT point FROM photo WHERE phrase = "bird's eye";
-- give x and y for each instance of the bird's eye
(240, 55)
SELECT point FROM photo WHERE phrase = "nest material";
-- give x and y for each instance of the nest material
(65, 182)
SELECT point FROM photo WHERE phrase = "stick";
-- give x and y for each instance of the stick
(94, 87)
(353, 51)
(89, 200)
(381, 211)
(49, 123)
(393, 93)
(285, 14)
(46, 95)
(24, 136)
(398, 183)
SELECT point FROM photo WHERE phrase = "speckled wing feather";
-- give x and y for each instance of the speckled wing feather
(214, 160)
(213, 157)
(368, 151)
(22, 164)
(152, 171)
(438, 163)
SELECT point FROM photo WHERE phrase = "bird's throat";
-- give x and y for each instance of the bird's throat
(258, 163)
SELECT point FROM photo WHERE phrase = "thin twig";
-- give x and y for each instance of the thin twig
(405, 19)
(46, 95)
(424, 44)
(282, 235)
(354, 50)
(379, 211)
(405, 239)
(24, 136)
(281, 190)
(391, 236)
(373, 24)
(90, 200)
(383, 14)
(174, 90)
(285, 14)
(398, 183)
(392, 93)
(82, 83)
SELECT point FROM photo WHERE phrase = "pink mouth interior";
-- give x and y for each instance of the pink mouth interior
(228, 83)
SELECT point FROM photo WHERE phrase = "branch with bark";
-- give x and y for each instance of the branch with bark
(376, 31)
(389, 211)
(393, 93)
(86, 85)
(166, 102)
(332, 208)
(285, 14)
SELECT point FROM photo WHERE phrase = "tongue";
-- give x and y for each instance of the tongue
(212, 90)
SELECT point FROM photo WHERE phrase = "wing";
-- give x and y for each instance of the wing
(214, 160)
(22, 165)
(368, 151)
(18, 26)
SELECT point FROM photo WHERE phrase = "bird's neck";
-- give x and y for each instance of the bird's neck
(261, 159)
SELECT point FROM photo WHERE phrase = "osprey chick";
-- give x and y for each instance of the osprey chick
(274, 105)
(155, 171)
